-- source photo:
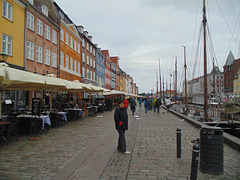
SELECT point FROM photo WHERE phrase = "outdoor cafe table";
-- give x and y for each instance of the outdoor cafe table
(45, 119)
(2, 127)
(74, 113)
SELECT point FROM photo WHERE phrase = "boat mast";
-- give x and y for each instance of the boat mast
(185, 69)
(160, 82)
(176, 77)
(204, 21)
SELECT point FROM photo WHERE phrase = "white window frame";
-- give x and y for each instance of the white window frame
(88, 74)
(75, 65)
(75, 45)
(7, 10)
(47, 57)
(91, 49)
(30, 21)
(47, 32)
(91, 62)
(30, 1)
(45, 10)
(39, 27)
(83, 72)
(83, 43)
(54, 59)
(87, 60)
(79, 67)
(87, 46)
(71, 63)
(67, 61)
(94, 75)
(94, 63)
(54, 36)
(61, 58)
(67, 38)
(71, 41)
(79, 48)
(83, 57)
(39, 54)
(30, 50)
(94, 52)
(7, 44)
(62, 34)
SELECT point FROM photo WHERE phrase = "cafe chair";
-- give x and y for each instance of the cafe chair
(12, 129)
(36, 124)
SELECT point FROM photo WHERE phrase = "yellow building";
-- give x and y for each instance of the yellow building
(12, 29)
(236, 84)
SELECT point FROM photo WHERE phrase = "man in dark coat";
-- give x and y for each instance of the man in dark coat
(133, 105)
(121, 124)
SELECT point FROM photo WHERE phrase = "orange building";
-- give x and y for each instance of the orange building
(70, 48)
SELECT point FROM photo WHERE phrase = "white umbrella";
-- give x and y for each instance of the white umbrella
(114, 92)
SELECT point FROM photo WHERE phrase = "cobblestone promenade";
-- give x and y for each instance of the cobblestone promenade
(86, 149)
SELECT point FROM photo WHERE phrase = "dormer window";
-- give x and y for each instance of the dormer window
(44, 10)
(30, 1)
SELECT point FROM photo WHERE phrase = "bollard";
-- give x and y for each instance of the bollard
(178, 143)
(195, 158)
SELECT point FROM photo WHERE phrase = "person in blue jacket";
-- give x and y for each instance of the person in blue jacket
(146, 104)
(121, 125)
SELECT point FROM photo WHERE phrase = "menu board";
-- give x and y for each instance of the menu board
(36, 106)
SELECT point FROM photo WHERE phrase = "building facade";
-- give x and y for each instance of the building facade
(100, 68)
(115, 61)
(108, 76)
(89, 73)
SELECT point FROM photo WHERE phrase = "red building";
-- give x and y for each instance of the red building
(115, 60)
(108, 76)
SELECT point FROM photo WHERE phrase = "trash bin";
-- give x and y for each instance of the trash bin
(211, 150)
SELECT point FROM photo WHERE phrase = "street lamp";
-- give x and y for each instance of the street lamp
(3, 57)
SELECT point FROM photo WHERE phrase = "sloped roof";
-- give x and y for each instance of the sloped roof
(230, 59)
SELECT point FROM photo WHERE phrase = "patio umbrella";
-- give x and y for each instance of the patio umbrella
(93, 89)
(114, 92)
(53, 83)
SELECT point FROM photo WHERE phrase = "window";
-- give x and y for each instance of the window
(30, 1)
(30, 21)
(91, 49)
(61, 59)
(47, 57)
(83, 43)
(7, 44)
(39, 27)
(71, 42)
(30, 50)
(83, 72)
(45, 10)
(94, 64)
(62, 34)
(78, 48)
(71, 63)
(83, 57)
(67, 61)
(94, 52)
(54, 59)
(67, 38)
(75, 45)
(88, 74)
(87, 60)
(79, 67)
(91, 62)
(39, 54)
(47, 32)
(7, 10)
(75, 65)
(54, 36)
(94, 76)
(87, 46)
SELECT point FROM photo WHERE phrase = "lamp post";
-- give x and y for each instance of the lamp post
(3, 56)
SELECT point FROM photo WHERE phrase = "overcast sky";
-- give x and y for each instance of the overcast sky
(141, 32)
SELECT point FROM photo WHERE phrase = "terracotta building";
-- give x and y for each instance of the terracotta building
(115, 72)
(108, 77)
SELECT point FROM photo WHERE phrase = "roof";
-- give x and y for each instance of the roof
(230, 59)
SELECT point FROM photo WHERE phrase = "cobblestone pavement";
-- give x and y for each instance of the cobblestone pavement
(86, 149)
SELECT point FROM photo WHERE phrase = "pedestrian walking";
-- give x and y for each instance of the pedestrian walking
(158, 103)
(121, 124)
(133, 105)
(154, 104)
(168, 104)
(126, 103)
(140, 102)
(146, 104)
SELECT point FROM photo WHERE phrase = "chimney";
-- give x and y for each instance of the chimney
(90, 38)
(85, 33)
(80, 29)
